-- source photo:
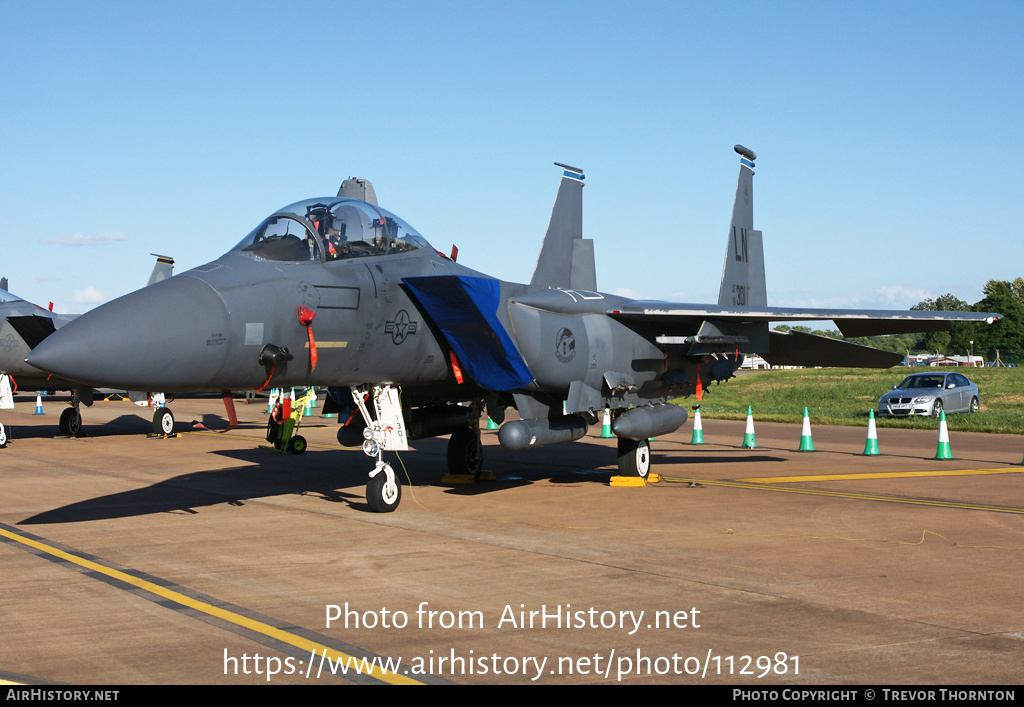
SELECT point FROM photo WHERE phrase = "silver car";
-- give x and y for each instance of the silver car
(930, 394)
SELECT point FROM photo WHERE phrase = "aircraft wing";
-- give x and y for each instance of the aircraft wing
(705, 329)
(851, 322)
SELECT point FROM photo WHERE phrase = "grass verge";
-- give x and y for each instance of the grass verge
(843, 396)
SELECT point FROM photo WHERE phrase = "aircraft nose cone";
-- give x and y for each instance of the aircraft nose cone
(168, 337)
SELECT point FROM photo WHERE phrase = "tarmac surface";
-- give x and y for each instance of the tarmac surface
(205, 559)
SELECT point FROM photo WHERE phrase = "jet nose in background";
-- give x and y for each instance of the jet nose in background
(171, 336)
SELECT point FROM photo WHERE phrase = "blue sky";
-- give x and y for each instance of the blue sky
(886, 135)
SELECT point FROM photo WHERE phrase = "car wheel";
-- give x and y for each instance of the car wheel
(937, 408)
(975, 405)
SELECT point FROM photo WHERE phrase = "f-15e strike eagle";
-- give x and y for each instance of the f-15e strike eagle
(338, 292)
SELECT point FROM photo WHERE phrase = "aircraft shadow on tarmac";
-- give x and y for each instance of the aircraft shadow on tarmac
(272, 475)
(339, 476)
(121, 425)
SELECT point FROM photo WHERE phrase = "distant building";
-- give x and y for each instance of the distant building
(753, 362)
(941, 360)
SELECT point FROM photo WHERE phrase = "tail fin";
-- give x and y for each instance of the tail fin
(566, 258)
(163, 269)
(743, 276)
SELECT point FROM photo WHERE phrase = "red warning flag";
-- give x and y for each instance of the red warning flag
(455, 366)
(306, 316)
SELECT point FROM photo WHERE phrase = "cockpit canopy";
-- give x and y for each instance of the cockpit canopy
(6, 296)
(330, 228)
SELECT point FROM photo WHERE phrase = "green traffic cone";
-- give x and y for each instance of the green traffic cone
(871, 445)
(698, 429)
(748, 435)
(942, 451)
(491, 424)
(606, 424)
(806, 444)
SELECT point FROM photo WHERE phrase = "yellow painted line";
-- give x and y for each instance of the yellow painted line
(330, 344)
(907, 500)
(229, 616)
(881, 475)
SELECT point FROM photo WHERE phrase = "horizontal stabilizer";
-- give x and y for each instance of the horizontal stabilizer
(798, 348)
(465, 310)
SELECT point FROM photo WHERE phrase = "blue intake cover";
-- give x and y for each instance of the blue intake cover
(465, 310)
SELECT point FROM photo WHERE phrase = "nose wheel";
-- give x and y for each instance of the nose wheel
(70, 422)
(383, 491)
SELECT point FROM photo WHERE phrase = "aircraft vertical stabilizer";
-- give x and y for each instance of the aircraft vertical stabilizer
(163, 269)
(566, 259)
(743, 281)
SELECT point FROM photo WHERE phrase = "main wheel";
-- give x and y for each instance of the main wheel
(382, 493)
(70, 422)
(163, 421)
(937, 407)
(297, 445)
(634, 457)
(465, 453)
(975, 405)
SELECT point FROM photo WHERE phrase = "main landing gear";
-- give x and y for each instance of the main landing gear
(634, 457)
(163, 421)
(465, 452)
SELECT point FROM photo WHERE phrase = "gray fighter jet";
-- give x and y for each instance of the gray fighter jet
(339, 292)
(23, 326)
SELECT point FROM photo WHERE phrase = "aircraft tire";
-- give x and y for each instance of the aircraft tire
(634, 457)
(465, 453)
(382, 495)
(70, 422)
(297, 444)
(163, 421)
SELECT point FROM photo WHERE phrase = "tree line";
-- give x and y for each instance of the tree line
(1005, 336)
